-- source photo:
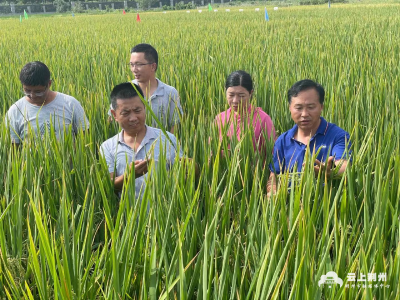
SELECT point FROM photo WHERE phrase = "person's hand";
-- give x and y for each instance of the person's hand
(140, 167)
(327, 168)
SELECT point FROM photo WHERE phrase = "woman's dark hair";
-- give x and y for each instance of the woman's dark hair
(34, 74)
(306, 84)
(239, 78)
(124, 91)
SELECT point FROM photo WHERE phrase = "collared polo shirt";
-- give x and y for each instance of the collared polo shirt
(259, 121)
(165, 104)
(329, 140)
(119, 155)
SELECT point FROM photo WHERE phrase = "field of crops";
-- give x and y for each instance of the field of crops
(63, 233)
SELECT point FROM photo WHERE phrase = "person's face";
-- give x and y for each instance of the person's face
(37, 93)
(238, 98)
(306, 109)
(130, 114)
(142, 69)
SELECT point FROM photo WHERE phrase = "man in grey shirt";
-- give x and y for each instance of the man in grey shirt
(163, 98)
(137, 143)
(42, 109)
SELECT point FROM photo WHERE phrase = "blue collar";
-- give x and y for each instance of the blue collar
(322, 129)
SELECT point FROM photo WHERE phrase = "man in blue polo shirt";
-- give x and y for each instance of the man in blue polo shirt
(306, 101)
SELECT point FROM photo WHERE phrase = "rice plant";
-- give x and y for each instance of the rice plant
(64, 234)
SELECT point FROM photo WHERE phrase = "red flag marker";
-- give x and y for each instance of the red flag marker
(124, 12)
(137, 18)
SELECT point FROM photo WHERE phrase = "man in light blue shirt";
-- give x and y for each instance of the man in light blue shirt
(137, 143)
(162, 98)
(331, 142)
(42, 109)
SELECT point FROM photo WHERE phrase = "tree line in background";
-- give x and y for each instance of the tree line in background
(166, 3)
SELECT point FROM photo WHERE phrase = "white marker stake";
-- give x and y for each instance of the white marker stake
(200, 11)
(257, 9)
(275, 8)
(227, 10)
(164, 12)
(188, 11)
(240, 10)
(215, 10)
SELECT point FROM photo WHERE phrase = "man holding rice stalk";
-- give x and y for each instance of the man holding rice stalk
(163, 99)
(137, 143)
(41, 108)
(329, 142)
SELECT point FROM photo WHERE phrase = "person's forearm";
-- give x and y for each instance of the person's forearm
(271, 188)
(271, 184)
(118, 182)
(343, 166)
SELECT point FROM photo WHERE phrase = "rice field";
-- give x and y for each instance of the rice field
(65, 235)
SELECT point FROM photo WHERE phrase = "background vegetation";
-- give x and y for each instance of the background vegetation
(63, 233)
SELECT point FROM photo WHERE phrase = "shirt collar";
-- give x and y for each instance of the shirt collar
(121, 137)
(150, 134)
(322, 128)
(160, 88)
(250, 110)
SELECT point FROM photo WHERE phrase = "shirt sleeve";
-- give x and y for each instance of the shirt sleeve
(11, 123)
(174, 109)
(108, 156)
(171, 152)
(269, 128)
(80, 121)
(277, 158)
(339, 149)
(175, 145)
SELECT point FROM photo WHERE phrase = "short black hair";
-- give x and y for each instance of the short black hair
(150, 53)
(239, 78)
(124, 91)
(306, 84)
(34, 74)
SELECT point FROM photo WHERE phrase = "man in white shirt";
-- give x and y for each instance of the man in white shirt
(42, 109)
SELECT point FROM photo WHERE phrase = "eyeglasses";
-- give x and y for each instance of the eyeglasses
(138, 65)
(40, 94)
